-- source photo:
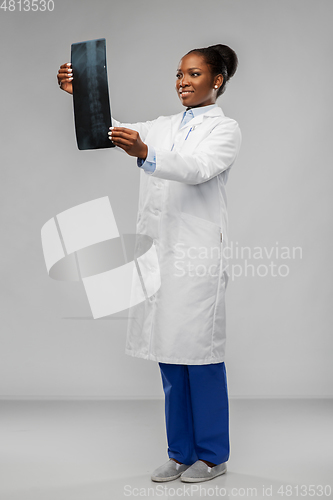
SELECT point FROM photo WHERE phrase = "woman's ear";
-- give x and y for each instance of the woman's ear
(218, 80)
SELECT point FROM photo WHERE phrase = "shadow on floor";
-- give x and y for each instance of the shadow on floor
(230, 486)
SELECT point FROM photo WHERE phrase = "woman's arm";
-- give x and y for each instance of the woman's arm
(212, 156)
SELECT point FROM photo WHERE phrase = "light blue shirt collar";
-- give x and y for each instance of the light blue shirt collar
(202, 109)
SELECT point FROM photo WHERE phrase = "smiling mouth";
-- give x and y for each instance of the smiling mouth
(185, 92)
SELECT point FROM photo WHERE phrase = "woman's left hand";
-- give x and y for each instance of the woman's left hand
(129, 140)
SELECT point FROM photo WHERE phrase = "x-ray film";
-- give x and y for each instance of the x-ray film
(92, 114)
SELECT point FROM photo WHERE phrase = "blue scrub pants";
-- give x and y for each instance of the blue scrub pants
(196, 412)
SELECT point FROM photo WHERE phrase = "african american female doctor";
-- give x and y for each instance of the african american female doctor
(184, 162)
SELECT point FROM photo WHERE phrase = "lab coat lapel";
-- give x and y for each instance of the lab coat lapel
(175, 122)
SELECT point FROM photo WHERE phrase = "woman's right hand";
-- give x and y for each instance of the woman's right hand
(65, 77)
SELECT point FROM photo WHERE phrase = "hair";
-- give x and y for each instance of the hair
(222, 60)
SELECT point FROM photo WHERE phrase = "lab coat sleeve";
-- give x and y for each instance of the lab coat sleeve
(214, 154)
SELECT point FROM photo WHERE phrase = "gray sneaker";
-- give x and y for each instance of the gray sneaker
(168, 471)
(200, 471)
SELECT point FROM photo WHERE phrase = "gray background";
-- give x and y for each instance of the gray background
(279, 329)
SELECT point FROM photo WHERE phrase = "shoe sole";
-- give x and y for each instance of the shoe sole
(200, 479)
(164, 479)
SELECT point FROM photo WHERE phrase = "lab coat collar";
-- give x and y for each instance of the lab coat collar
(216, 111)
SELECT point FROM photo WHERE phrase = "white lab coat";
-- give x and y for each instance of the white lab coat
(182, 207)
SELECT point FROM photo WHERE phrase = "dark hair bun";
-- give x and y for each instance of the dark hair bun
(229, 56)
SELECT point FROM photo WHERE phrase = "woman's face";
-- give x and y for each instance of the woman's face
(195, 83)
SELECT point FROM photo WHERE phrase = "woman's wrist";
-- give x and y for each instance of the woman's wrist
(144, 153)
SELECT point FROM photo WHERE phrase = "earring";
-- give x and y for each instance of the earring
(216, 86)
